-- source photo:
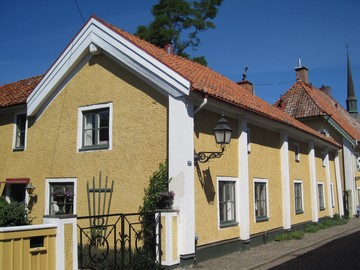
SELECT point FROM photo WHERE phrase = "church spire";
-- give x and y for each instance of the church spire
(351, 101)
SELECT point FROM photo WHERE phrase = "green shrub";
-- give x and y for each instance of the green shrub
(13, 213)
(158, 182)
(312, 228)
(297, 235)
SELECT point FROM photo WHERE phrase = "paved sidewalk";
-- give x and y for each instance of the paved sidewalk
(274, 253)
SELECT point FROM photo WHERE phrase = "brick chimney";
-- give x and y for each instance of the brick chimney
(326, 90)
(169, 48)
(302, 73)
(247, 86)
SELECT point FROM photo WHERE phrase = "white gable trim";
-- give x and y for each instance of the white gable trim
(106, 40)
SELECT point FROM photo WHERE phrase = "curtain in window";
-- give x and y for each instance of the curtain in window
(260, 200)
(227, 201)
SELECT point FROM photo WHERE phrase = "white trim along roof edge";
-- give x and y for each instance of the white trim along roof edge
(96, 37)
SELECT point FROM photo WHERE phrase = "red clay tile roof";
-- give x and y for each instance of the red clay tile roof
(202, 79)
(305, 101)
(16, 93)
(207, 81)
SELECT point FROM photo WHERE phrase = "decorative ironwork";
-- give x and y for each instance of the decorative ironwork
(222, 133)
(120, 241)
(203, 157)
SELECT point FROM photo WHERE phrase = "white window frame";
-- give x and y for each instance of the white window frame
(357, 162)
(323, 193)
(263, 181)
(235, 222)
(332, 198)
(297, 152)
(302, 197)
(59, 180)
(81, 111)
(16, 129)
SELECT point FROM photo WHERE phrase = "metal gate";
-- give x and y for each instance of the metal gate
(120, 241)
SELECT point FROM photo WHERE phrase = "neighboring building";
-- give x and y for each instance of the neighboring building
(317, 109)
(115, 104)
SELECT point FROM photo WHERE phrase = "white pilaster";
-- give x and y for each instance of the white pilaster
(349, 175)
(313, 183)
(243, 186)
(328, 180)
(181, 171)
(285, 177)
(338, 184)
(60, 241)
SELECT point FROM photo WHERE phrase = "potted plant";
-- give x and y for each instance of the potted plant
(166, 199)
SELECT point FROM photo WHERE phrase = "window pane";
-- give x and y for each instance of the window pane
(20, 131)
(227, 201)
(96, 128)
(61, 198)
(104, 119)
(298, 197)
(90, 137)
(104, 136)
(260, 200)
(89, 119)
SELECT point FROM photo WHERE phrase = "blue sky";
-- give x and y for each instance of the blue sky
(266, 36)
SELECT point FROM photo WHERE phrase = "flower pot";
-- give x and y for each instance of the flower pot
(60, 202)
(166, 201)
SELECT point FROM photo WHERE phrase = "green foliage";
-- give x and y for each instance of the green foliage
(312, 228)
(297, 235)
(325, 223)
(158, 183)
(180, 22)
(12, 214)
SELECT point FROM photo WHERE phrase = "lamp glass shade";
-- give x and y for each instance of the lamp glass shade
(30, 188)
(222, 132)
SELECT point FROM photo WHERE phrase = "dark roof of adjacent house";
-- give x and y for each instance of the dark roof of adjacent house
(203, 79)
(303, 101)
(16, 93)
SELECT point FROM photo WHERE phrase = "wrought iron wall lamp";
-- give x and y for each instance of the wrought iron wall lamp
(222, 133)
(30, 189)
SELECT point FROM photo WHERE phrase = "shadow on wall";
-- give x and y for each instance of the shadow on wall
(206, 183)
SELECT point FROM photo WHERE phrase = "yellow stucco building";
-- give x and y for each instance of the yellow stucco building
(116, 105)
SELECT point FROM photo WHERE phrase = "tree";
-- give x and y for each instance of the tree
(180, 22)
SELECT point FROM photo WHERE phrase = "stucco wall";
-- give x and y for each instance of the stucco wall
(300, 171)
(139, 138)
(206, 175)
(265, 163)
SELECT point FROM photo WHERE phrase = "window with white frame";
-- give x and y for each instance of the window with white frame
(298, 197)
(227, 203)
(358, 194)
(321, 196)
(261, 200)
(20, 132)
(332, 195)
(61, 197)
(95, 127)
(296, 151)
(357, 156)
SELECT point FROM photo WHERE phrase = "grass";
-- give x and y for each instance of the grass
(326, 222)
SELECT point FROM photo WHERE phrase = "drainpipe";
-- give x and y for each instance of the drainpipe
(201, 105)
